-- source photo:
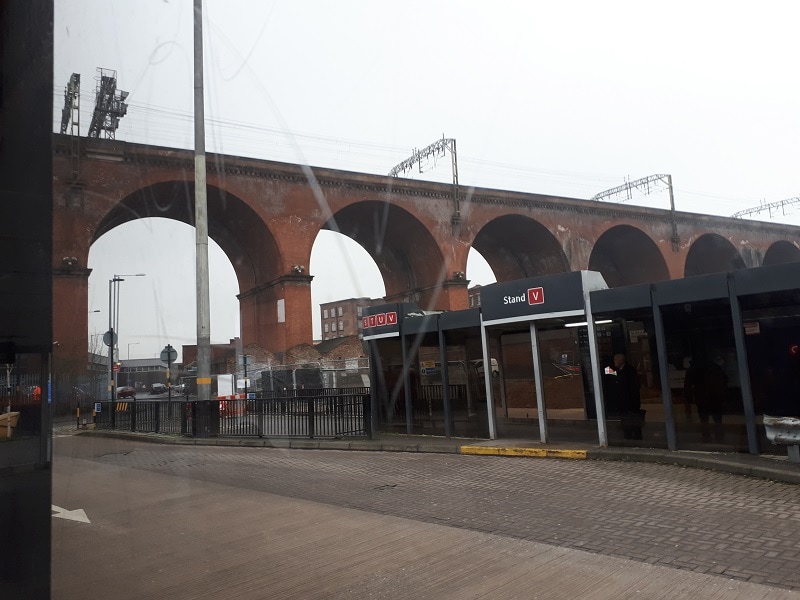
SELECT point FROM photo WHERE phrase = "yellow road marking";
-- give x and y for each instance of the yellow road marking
(533, 452)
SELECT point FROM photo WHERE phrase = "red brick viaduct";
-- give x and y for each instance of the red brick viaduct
(266, 216)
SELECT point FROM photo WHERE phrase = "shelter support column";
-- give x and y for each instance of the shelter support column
(537, 375)
(744, 371)
(407, 385)
(487, 378)
(594, 355)
(503, 395)
(663, 367)
(448, 416)
(376, 382)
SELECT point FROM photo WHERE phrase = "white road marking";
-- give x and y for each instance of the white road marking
(72, 515)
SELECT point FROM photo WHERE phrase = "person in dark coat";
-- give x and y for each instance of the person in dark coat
(626, 386)
(710, 404)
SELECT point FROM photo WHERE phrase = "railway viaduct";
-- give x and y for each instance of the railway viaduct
(266, 216)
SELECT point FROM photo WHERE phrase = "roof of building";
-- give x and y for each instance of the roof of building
(138, 363)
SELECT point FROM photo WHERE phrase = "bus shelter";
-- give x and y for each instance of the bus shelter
(426, 370)
(715, 354)
(546, 342)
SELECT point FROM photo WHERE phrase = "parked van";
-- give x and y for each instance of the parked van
(478, 364)
(158, 388)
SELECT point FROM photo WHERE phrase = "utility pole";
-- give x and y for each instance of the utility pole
(201, 216)
(244, 362)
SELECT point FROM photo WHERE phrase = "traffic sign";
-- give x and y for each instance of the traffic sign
(108, 340)
(169, 354)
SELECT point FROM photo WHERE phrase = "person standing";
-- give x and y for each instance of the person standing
(626, 386)
(711, 402)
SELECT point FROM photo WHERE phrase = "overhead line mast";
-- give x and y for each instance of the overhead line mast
(435, 150)
(782, 204)
(644, 186)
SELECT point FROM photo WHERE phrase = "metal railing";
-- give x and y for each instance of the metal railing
(325, 413)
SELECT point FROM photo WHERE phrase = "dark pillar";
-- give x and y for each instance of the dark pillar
(26, 306)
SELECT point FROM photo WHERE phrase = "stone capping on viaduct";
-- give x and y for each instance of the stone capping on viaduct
(176, 158)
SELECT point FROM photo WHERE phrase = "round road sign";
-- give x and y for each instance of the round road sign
(169, 354)
(108, 340)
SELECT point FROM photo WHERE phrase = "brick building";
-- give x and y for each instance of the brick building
(223, 356)
(474, 294)
(142, 372)
(342, 318)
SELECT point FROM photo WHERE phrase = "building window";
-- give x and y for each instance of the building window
(333, 326)
(341, 325)
(326, 328)
(340, 314)
(360, 310)
(325, 314)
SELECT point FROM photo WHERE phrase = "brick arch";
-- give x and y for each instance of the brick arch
(625, 255)
(241, 234)
(780, 252)
(712, 253)
(517, 247)
(406, 253)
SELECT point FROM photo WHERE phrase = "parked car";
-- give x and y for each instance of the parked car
(158, 388)
(126, 392)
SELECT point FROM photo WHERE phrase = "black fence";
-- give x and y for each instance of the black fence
(327, 413)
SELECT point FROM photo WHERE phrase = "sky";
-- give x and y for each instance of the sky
(567, 98)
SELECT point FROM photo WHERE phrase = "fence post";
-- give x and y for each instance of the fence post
(367, 402)
(311, 416)
(158, 417)
(132, 413)
(190, 419)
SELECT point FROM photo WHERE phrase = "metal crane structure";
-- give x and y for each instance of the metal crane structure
(71, 119)
(646, 185)
(71, 113)
(435, 150)
(770, 207)
(109, 107)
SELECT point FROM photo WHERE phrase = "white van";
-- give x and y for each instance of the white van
(478, 364)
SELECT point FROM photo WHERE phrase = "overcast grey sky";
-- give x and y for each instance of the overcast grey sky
(564, 98)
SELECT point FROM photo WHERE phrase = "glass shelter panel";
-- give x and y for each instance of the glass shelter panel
(632, 395)
(704, 377)
(772, 339)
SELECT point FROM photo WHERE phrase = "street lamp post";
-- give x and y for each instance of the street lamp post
(112, 336)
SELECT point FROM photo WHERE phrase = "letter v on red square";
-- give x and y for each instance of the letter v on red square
(536, 296)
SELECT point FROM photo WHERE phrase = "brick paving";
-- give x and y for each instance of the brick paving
(693, 520)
